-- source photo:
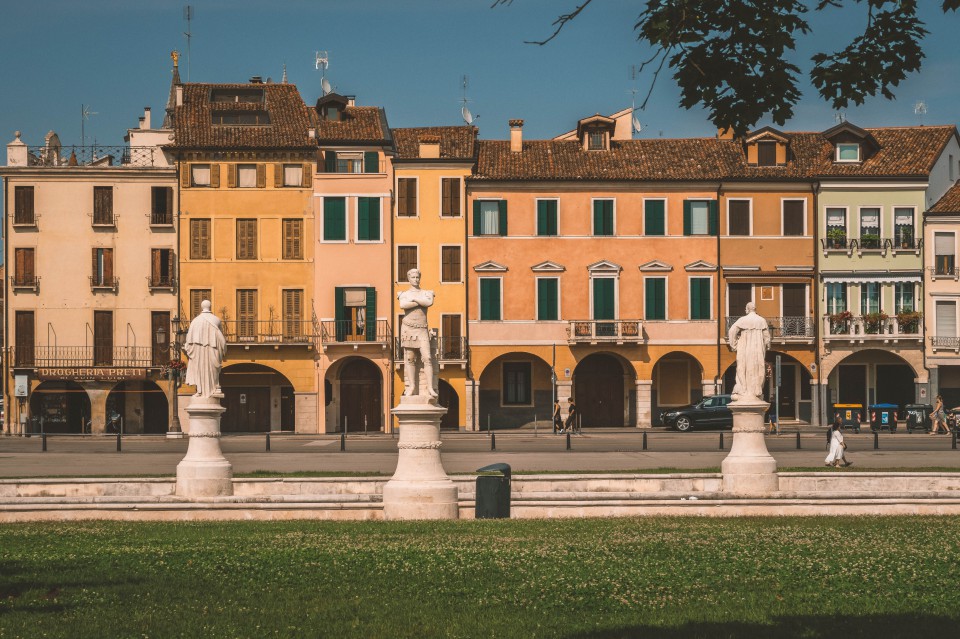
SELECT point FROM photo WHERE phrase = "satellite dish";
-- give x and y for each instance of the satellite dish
(325, 86)
(467, 116)
(637, 127)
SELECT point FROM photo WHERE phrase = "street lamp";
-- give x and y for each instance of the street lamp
(173, 372)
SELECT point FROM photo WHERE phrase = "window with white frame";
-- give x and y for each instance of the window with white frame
(836, 297)
(903, 297)
(848, 152)
(946, 319)
(292, 174)
(870, 228)
(869, 298)
(836, 227)
(200, 174)
(247, 176)
(903, 230)
(945, 259)
(489, 217)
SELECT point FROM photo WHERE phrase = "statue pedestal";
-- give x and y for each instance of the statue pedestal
(204, 471)
(420, 488)
(749, 470)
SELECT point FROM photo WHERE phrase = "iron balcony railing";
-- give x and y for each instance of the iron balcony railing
(870, 328)
(449, 349)
(276, 332)
(352, 332)
(95, 155)
(590, 331)
(943, 342)
(161, 218)
(160, 281)
(83, 356)
(98, 282)
(945, 269)
(25, 281)
(25, 218)
(789, 327)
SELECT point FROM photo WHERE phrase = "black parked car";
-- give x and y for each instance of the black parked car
(710, 412)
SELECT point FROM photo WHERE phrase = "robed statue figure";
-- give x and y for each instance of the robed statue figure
(750, 338)
(205, 347)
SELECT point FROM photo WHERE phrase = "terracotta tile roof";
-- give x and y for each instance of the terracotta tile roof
(456, 142)
(904, 152)
(357, 124)
(288, 126)
(949, 204)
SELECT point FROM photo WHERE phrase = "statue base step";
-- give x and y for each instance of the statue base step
(204, 471)
(749, 469)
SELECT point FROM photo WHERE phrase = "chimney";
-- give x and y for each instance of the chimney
(146, 118)
(256, 80)
(516, 136)
(725, 134)
(179, 95)
(17, 154)
(429, 147)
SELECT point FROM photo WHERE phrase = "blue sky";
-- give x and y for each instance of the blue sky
(405, 55)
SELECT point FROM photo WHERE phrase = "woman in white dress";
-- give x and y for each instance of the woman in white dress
(837, 449)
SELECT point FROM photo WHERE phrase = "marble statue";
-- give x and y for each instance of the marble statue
(205, 347)
(750, 338)
(419, 360)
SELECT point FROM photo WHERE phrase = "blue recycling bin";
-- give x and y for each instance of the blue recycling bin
(883, 417)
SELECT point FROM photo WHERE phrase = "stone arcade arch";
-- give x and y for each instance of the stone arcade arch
(604, 390)
(449, 399)
(141, 405)
(515, 390)
(872, 376)
(257, 398)
(677, 381)
(361, 395)
(795, 390)
(59, 407)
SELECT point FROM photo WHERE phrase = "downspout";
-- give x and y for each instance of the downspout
(8, 404)
(717, 378)
(393, 285)
(467, 211)
(817, 324)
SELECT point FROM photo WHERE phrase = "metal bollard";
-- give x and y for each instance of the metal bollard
(721, 441)
(876, 440)
(343, 441)
(43, 438)
(118, 442)
(568, 441)
(268, 442)
(493, 441)
(798, 440)
(644, 441)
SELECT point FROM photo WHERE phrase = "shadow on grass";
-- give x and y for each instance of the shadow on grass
(807, 627)
(18, 594)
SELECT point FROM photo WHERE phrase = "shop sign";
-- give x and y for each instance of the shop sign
(100, 373)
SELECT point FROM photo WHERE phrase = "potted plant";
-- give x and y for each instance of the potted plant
(906, 238)
(909, 321)
(873, 322)
(174, 369)
(870, 241)
(840, 322)
(836, 238)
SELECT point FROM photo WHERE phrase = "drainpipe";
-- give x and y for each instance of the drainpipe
(467, 211)
(720, 331)
(393, 315)
(8, 404)
(817, 324)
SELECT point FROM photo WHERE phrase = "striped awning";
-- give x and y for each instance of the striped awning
(870, 276)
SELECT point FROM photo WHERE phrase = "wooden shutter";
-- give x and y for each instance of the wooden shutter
(371, 162)
(739, 217)
(24, 205)
(713, 217)
(340, 313)
(168, 201)
(793, 217)
(231, 176)
(477, 221)
(292, 242)
(402, 186)
(278, 175)
(215, 176)
(197, 295)
(25, 355)
(654, 298)
(102, 205)
(489, 298)
(246, 312)
(738, 295)
(200, 239)
(94, 272)
(185, 175)
(451, 266)
(700, 298)
(446, 197)
(246, 239)
(160, 320)
(102, 338)
(262, 176)
(171, 265)
(330, 160)
(108, 266)
(598, 217)
(371, 312)
(363, 218)
(24, 272)
(767, 153)
(603, 298)
(653, 217)
(292, 312)
(547, 217)
(307, 175)
(155, 266)
(502, 217)
(795, 300)
(406, 260)
(686, 217)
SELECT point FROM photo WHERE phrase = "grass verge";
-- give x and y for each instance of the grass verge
(580, 578)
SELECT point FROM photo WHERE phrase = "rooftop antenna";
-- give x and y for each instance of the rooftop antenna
(85, 114)
(920, 109)
(468, 117)
(188, 16)
(321, 62)
(283, 80)
(635, 125)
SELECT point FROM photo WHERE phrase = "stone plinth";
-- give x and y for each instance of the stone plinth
(420, 488)
(204, 471)
(749, 469)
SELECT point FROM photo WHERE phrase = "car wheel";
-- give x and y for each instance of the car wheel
(684, 424)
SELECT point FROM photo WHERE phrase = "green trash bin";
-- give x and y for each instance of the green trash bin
(493, 492)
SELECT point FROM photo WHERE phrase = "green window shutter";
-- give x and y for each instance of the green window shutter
(371, 162)
(552, 218)
(502, 221)
(653, 217)
(334, 219)
(340, 314)
(608, 217)
(371, 327)
(597, 217)
(603, 302)
(547, 217)
(700, 298)
(489, 299)
(695, 299)
(705, 298)
(477, 226)
(603, 217)
(363, 219)
(713, 221)
(686, 217)
(547, 299)
(330, 157)
(655, 299)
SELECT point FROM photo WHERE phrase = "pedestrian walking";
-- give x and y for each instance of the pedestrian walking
(557, 418)
(772, 418)
(571, 418)
(939, 416)
(838, 424)
(837, 449)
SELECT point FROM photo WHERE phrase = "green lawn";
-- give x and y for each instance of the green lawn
(823, 577)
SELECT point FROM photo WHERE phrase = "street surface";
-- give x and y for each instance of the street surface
(613, 450)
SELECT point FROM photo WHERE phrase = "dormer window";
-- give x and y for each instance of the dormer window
(595, 141)
(240, 117)
(237, 95)
(766, 153)
(848, 152)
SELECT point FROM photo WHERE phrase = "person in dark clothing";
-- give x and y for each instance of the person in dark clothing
(557, 418)
(571, 422)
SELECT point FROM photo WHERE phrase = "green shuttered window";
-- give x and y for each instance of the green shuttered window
(490, 298)
(654, 217)
(368, 219)
(548, 297)
(700, 217)
(603, 298)
(700, 298)
(655, 292)
(334, 219)
(490, 217)
(371, 162)
(603, 217)
(546, 217)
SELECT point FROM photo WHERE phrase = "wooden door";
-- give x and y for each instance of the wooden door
(288, 414)
(103, 338)
(737, 298)
(788, 391)
(598, 390)
(26, 353)
(451, 346)
(248, 409)
(160, 337)
(360, 399)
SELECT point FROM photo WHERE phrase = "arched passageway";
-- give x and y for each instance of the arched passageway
(449, 399)
(872, 376)
(59, 407)
(361, 393)
(137, 406)
(794, 399)
(258, 399)
(602, 390)
(515, 390)
(677, 381)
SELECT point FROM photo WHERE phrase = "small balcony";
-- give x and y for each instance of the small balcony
(161, 283)
(944, 343)
(605, 331)
(95, 155)
(161, 218)
(870, 328)
(450, 350)
(83, 357)
(270, 332)
(104, 220)
(355, 334)
(25, 282)
(784, 329)
(944, 270)
(104, 284)
(25, 220)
